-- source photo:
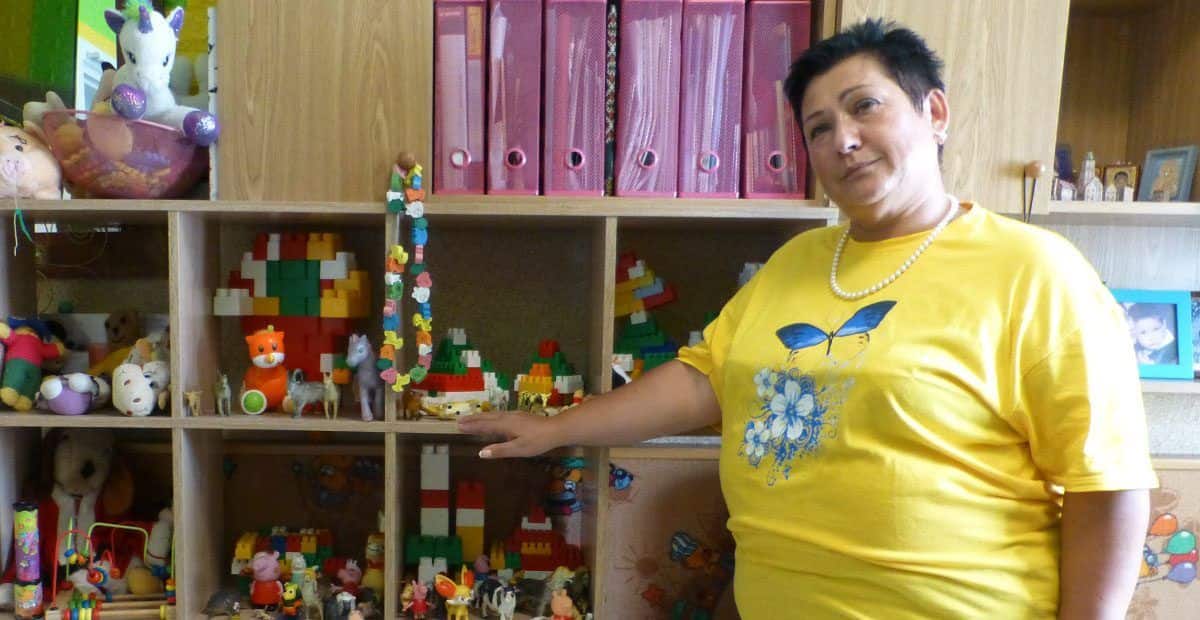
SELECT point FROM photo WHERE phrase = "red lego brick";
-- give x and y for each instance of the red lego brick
(293, 246)
(260, 247)
(337, 327)
(325, 539)
(293, 543)
(326, 285)
(663, 298)
(435, 499)
(237, 281)
(624, 263)
(470, 494)
(547, 348)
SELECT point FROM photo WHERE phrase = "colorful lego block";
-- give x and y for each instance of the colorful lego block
(335, 304)
(293, 269)
(265, 306)
(632, 284)
(339, 267)
(232, 302)
(323, 246)
(293, 246)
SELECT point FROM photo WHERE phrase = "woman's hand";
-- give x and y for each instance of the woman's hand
(525, 434)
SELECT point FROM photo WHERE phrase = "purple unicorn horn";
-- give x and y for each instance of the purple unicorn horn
(144, 25)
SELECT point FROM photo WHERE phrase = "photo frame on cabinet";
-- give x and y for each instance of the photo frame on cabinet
(1196, 333)
(1160, 326)
(1167, 175)
(1121, 176)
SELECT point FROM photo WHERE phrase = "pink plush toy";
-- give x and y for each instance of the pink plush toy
(27, 169)
(266, 591)
(350, 576)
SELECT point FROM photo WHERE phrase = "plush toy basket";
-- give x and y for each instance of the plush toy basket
(107, 156)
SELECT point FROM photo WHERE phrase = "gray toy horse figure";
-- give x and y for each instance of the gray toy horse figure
(360, 356)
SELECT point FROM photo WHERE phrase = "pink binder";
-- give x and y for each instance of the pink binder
(514, 96)
(775, 163)
(458, 130)
(710, 117)
(648, 75)
(573, 90)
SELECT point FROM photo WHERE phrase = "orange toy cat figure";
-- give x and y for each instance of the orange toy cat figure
(458, 595)
(266, 374)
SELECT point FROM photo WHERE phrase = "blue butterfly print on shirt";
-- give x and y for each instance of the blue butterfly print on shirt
(803, 335)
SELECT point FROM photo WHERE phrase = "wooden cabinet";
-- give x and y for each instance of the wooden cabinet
(1003, 71)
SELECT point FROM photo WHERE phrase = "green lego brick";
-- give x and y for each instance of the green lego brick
(339, 361)
(293, 306)
(512, 559)
(274, 270)
(416, 547)
(654, 360)
(314, 270)
(312, 306)
(289, 287)
(274, 286)
(293, 269)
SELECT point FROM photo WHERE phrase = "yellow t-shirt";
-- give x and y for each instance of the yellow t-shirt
(899, 456)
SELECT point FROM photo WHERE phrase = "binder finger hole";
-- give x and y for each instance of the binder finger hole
(648, 158)
(575, 159)
(709, 161)
(515, 158)
(460, 158)
(775, 161)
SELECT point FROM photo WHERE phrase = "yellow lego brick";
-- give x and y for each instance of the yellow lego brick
(308, 544)
(356, 280)
(323, 246)
(633, 284)
(472, 541)
(335, 304)
(629, 308)
(265, 306)
(539, 385)
(245, 546)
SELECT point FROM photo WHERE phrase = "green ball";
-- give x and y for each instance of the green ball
(254, 402)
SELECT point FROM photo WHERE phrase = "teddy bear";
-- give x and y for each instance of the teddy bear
(27, 169)
(121, 329)
(28, 346)
(73, 393)
(266, 591)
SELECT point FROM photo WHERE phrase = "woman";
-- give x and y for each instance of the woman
(932, 411)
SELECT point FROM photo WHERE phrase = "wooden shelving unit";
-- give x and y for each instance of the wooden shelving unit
(1150, 214)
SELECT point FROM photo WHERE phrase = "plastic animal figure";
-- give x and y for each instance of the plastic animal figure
(266, 591)
(222, 395)
(192, 402)
(291, 602)
(266, 373)
(141, 87)
(561, 606)
(415, 600)
(458, 595)
(312, 600)
(361, 357)
(331, 399)
(503, 601)
(303, 393)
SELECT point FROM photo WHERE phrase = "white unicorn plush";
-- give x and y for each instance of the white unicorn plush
(141, 87)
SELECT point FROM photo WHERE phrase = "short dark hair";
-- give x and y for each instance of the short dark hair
(905, 55)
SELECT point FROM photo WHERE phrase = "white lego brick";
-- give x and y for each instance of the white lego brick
(338, 268)
(490, 382)
(748, 271)
(435, 521)
(568, 384)
(260, 287)
(232, 302)
(435, 467)
(468, 517)
(637, 271)
(624, 360)
(253, 269)
(273, 246)
(536, 526)
(428, 568)
(650, 290)
(695, 337)
(327, 362)
(637, 318)
(457, 335)
(470, 359)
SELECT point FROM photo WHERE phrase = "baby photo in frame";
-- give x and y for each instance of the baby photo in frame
(1160, 326)
(1167, 175)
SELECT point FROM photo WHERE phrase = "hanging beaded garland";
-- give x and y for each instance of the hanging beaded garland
(404, 198)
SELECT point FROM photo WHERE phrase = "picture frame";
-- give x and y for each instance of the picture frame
(1156, 319)
(1122, 175)
(1167, 175)
(1196, 333)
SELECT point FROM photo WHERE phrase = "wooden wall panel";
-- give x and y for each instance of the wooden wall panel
(1097, 95)
(1164, 84)
(317, 97)
(1004, 65)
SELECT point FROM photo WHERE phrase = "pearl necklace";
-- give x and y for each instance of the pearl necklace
(837, 257)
